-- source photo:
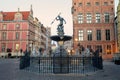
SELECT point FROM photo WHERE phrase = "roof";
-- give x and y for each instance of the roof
(8, 16)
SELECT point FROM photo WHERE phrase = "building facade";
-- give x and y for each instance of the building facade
(48, 40)
(93, 25)
(45, 38)
(118, 24)
(18, 31)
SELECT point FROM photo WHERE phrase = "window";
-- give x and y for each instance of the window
(74, 3)
(17, 26)
(80, 18)
(111, 2)
(17, 35)
(88, 4)
(3, 46)
(97, 3)
(107, 17)
(108, 49)
(74, 10)
(97, 17)
(80, 4)
(89, 35)
(4, 26)
(105, 3)
(99, 47)
(89, 18)
(107, 34)
(17, 47)
(3, 35)
(80, 35)
(98, 34)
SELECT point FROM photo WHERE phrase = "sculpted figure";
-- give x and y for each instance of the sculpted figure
(60, 25)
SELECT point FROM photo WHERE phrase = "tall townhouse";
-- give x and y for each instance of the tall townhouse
(37, 42)
(93, 25)
(48, 40)
(45, 38)
(18, 31)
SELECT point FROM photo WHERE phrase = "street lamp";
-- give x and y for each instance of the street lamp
(76, 39)
(77, 42)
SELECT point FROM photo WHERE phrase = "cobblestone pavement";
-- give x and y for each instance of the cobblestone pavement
(9, 70)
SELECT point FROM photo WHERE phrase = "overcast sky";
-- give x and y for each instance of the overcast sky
(45, 11)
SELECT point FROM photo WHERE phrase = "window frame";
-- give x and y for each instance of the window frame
(88, 4)
(17, 35)
(80, 4)
(3, 47)
(97, 18)
(108, 49)
(88, 18)
(89, 35)
(107, 17)
(105, 3)
(80, 18)
(4, 26)
(98, 35)
(107, 33)
(97, 3)
(4, 35)
(80, 35)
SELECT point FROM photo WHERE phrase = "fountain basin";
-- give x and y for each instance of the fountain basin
(57, 38)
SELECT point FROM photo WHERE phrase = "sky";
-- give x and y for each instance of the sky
(45, 11)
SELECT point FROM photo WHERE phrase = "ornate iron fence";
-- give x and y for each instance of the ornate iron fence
(71, 64)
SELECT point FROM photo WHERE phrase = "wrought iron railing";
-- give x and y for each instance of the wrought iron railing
(71, 64)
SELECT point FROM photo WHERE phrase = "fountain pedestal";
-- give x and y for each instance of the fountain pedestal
(60, 57)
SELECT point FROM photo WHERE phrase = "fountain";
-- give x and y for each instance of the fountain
(60, 57)
(60, 62)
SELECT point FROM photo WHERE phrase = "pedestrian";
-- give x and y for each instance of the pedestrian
(40, 51)
(97, 59)
(21, 51)
(50, 52)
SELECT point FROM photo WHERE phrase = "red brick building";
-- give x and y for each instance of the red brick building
(118, 24)
(93, 25)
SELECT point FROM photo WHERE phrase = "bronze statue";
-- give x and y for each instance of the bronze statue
(60, 27)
